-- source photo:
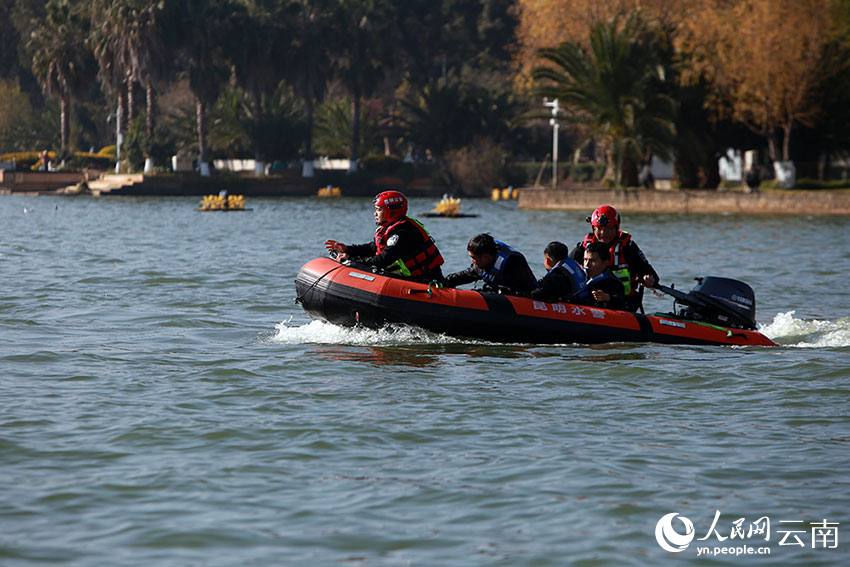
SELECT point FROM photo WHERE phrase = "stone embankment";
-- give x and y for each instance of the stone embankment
(816, 202)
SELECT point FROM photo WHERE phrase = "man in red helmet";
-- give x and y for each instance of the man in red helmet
(627, 261)
(401, 246)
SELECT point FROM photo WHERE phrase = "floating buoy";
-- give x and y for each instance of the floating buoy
(448, 207)
(329, 191)
(504, 194)
(223, 203)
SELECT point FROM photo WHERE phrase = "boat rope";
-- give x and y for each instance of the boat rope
(300, 298)
(432, 285)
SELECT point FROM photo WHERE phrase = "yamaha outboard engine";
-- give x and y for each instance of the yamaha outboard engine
(718, 301)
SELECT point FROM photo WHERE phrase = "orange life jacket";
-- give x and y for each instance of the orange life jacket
(424, 259)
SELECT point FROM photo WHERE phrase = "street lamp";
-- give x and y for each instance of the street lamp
(119, 138)
(554, 122)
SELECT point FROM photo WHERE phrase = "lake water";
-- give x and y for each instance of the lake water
(163, 401)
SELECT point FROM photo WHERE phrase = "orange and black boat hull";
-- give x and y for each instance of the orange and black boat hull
(350, 295)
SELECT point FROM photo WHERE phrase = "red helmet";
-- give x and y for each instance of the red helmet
(394, 203)
(604, 216)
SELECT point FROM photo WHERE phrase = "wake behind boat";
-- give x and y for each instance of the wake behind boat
(717, 311)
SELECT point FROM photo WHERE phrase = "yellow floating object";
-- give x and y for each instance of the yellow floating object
(506, 193)
(222, 203)
(329, 192)
(448, 207)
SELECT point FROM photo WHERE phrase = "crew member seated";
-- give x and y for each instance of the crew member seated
(564, 279)
(604, 289)
(502, 268)
(402, 246)
(627, 261)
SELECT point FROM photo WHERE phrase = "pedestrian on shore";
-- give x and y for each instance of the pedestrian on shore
(752, 179)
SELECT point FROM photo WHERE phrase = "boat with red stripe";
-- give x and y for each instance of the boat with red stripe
(350, 295)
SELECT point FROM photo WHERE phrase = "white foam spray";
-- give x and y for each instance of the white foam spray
(787, 330)
(319, 332)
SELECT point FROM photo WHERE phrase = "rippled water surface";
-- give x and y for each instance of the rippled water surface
(163, 401)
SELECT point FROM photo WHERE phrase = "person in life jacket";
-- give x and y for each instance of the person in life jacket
(627, 261)
(603, 287)
(565, 279)
(502, 268)
(401, 246)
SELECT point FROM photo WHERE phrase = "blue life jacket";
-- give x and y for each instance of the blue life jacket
(605, 275)
(494, 275)
(577, 275)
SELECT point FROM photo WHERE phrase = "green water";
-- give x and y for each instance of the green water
(163, 400)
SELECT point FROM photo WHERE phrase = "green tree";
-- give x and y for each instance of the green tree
(207, 36)
(457, 125)
(60, 60)
(307, 69)
(437, 39)
(134, 39)
(151, 36)
(259, 59)
(333, 128)
(612, 88)
(113, 59)
(364, 37)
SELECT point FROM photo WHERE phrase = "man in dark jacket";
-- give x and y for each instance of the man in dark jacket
(605, 289)
(401, 246)
(564, 279)
(501, 267)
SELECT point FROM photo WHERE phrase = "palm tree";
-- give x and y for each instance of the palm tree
(258, 60)
(453, 122)
(364, 34)
(132, 39)
(613, 88)
(333, 127)
(207, 32)
(60, 61)
(307, 69)
(113, 60)
(437, 120)
(151, 33)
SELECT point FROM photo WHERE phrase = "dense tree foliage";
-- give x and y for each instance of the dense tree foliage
(60, 62)
(446, 81)
(615, 87)
(765, 60)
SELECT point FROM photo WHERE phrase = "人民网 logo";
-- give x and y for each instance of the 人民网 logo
(671, 540)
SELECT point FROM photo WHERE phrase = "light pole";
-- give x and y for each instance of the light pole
(554, 122)
(119, 139)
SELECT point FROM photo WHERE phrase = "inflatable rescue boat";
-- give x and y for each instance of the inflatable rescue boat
(717, 311)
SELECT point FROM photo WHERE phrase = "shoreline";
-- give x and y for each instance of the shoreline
(812, 202)
(286, 184)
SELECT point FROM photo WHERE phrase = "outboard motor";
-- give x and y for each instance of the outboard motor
(718, 301)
